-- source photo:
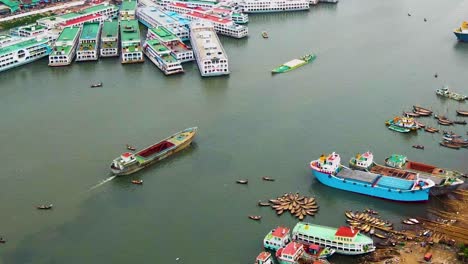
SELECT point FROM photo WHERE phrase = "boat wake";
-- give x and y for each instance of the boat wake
(102, 183)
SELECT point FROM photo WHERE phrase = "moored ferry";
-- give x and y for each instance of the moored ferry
(277, 238)
(462, 32)
(444, 181)
(294, 64)
(182, 52)
(161, 56)
(129, 163)
(65, 47)
(16, 51)
(154, 17)
(329, 171)
(264, 258)
(261, 6)
(131, 50)
(110, 39)
(344, 240)
(211, 57)
(88, 48)
(128, 10)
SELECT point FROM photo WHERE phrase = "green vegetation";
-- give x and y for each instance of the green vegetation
(22, 21)
(464, 250)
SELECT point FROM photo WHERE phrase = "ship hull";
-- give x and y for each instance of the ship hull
(367, 189)
(461, 37)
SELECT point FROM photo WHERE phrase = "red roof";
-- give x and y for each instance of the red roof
(214, 19)
(346, 231)
(127, 154)
(81, 19)
(186, 6)
(263, 256)
(292, 248)
(280, 231)
(314, 247)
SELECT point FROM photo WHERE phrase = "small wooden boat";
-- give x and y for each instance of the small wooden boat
(255, 217)
(462, 112)
(460, 122)
(418, 146)
(2, 241)
(310, 212)
(349, 215)
(275, 201)
(445, 122)
(260, 203)
(139, 182)
(264, 34)
(380, 236)
(410, 114)
(431, 129)
(421, 125)
(368, 228)
(421, 109)
(95, 85)
(407, 222)
(242, 181)
(279, 212)
(132, 148)
(449, 145)
(414, 220)
(267, 178)
(45, 207)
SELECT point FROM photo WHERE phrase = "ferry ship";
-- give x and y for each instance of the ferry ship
(344, 240)
(277, 238)
(15, 51)
(182, 52)
(154, 17)
(230, 12)
(211, 57)
(110, 39)
(294, 64)
(65, 47)
(89, 42)
(32, 30)
(442, 184)
(129, 163)
(445, 92)
(128, 10)
(462, 32)
(161, 56)
(262, 6)
(130, 42)
(264, 258)
(329, 171)
(223, 26)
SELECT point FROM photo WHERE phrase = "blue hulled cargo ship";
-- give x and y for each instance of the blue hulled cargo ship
(462, 32)
(329, 171)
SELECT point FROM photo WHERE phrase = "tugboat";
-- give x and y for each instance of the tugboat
(405, 123)
(445, 92)
(45, 207)
(129, 163)
(462, 32)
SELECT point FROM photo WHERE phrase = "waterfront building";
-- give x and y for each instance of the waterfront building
(89, 42)
(65, 47)
(110, 39)
(211, 57)
(131, 50)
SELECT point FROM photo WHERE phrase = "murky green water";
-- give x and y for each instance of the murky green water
(58, 136)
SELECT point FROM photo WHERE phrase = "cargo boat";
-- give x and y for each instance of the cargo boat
(16, 51)
(344, 240)
(445, 92)
(294, 64)
(88, 48)
(444, 181)
(462, 32)
(131, 51)
(65, 47)
(329, 171)
(161, 56)
(129, 163)
(110, 39)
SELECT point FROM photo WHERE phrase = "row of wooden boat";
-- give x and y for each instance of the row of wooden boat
(366, 218)
(245, 181)
(297, 205)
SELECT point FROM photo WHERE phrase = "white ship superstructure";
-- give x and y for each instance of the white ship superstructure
(261, 6)
(153, 17)
(211, 57)
(181, 51)
(64, 50)
(15, 51)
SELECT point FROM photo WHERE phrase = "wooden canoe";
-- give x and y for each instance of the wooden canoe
(380, 236)
(279, 212)
(462, 112)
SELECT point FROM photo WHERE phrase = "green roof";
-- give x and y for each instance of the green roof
(156, 45)
(96, 8)
(68, 33)
(397, 158)
(90, 31)
(20, 45)
(128, 5)
(13, 5)
(325, 232)
(163, 33)
(168, 58)
(29, 27)
(129, 30)
(110, 29)
(70, 16)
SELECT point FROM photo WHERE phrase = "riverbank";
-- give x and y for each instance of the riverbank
(5, 25)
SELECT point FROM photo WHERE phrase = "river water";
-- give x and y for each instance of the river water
(58, 136)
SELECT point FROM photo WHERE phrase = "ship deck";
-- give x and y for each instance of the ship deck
(129, 31)
(164, 34)
(157, 46)
(408, 175)
(110, 29)
(357, 175)
(326, 232)
(18, 45)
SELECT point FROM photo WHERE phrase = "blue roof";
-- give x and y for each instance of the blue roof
(395, 183)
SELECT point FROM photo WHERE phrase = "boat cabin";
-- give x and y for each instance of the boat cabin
(277, 238)
(329, 164)
(346, 234)
(364, 161)
(396, 161)
(291, 253)
(263, 258)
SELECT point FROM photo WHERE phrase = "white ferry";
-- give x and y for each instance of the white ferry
(153, 17)
(224, 26)
(110, 39)
(211, 57)
(261, 6)
(128, 10)
(161, 56)
(16, 51)
(345, 240)
(89, 42)
(35, 30)
(130, 42)
(182, 52)
(65, 47)
(231, 12)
